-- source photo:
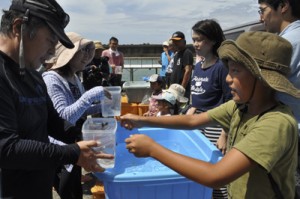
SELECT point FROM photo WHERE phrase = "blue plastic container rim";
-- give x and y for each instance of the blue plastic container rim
(193, 137)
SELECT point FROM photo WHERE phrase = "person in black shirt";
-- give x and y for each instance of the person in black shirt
(183, 63)
(29, 32)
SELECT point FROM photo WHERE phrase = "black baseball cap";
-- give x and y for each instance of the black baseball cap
(177, 36)
(48, 10)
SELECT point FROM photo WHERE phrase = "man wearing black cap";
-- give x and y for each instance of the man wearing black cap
(29, 32)
(183, 63)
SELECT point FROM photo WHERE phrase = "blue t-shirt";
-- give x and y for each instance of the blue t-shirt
(164, 63)
(208, 86)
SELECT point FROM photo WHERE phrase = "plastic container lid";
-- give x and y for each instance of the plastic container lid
(136, 84)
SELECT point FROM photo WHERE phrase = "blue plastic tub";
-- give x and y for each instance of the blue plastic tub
(146, 178)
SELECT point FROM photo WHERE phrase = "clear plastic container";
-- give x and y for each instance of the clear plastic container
(112, 107)
(102, 130)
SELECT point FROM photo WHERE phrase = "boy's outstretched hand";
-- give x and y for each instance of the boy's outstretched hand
(140, 145)
(130, 121)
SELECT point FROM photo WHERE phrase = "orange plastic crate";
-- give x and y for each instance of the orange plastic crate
(129, 108)
(142, 108)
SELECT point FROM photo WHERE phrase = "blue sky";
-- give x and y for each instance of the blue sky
(150, 21)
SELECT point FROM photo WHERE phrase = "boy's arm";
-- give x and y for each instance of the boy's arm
(197, 121)
(208, 174)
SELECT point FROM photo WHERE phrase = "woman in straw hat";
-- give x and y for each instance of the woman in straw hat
(64, 86)
(262, 148)
(71, 101)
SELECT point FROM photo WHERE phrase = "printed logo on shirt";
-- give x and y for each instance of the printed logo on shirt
(32, 100)
(178, 62)
(197, 88)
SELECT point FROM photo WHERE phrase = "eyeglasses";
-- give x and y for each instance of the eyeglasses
(262, 10)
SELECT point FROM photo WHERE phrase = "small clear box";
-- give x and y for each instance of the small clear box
(102, 130)
(112, 107)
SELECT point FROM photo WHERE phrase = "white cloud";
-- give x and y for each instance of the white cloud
(150, 21)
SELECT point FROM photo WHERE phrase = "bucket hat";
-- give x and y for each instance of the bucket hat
(63, 55)
(266, 55)
(178, 91)
(167, 96)
(48, 10)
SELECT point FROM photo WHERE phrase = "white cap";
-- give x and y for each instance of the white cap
(165, 43)
(178, 91)
(155, 78)
(169, 97)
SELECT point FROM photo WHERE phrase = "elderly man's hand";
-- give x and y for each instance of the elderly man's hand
(88, 156)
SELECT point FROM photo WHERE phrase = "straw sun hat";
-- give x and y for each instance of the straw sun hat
(63, 55)
(266, 55)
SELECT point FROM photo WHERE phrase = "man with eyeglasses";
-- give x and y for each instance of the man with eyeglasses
(29, 31)
(283, 17)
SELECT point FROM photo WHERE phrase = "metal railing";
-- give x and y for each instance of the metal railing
(132, 64)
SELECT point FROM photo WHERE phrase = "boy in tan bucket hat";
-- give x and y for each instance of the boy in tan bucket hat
(262, 142)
